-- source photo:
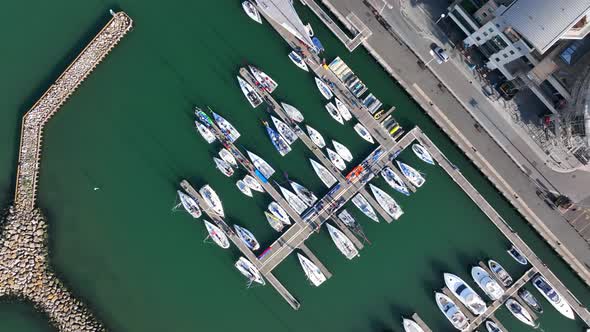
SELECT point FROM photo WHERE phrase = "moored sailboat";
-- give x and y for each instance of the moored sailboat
(298, 60)
(251, 95)
(205, 132)
(223, 167)
(189, 204)
(252, 183)
(303, 193)
(265, 169)
(327, 178)
(294, 201)
(264, 80)
(212, 200)
(422, 153)
(277, 140)
(315, 137)
(411, 174)
(228, 157)
(284, 130)
(342, 150)
(228, 130)
(333, 111)
(249, 271)
(313, 273)
(343, 109)
(217, 235)
(363, 133)
(342, 242)
(292, 112)
(387, 202)
(251, 11)
(279, 212)
(336, 159)
(247, 237)
(273, 221)
(244, 188)
(362, 204)
(324, 88)
(394, 181)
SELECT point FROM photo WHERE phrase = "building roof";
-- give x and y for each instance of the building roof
(283, 12)
(543, 22)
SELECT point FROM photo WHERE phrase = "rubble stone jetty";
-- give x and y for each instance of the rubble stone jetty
(24, 261)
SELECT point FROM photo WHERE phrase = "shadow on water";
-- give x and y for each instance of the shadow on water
(377, 325)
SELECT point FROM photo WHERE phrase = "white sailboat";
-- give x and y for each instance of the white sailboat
(253, 184)
(550, 293)
(298, 60)
(342, 242)
(500, 273)
(451, 311)
(279, 212)
(263, 80)
(284, 130)
(362, 204)
(343, 109)
(230, 132)
(347, 219)
(251, 95)
(189, 204)
(249, 271)
(387, 202)
(336, 159)
(411, 174)
(465, 294)
(313, 273)
(394, 181)
(251, 11)
(316, 137)
(520, 312)
(364, 133)
(217, 235)
(324, 88)
(422, 153)
(411, 326)
(292, 112)
(488, 284)
(247, 237)
(294, 201)
(274, 222)
(223, 167)
(244, 188)
(277, 140)
(342, 150)
(327, 178)
(212, 200)
(205, 132)
(228, 157)
(303, 193)
(333, 111)
(262, 166)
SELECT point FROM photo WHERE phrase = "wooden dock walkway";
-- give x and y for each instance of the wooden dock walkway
(421, 323)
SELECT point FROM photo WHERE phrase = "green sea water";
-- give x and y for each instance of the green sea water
(129, 131)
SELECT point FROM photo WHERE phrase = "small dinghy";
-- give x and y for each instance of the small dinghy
(387, 202)
(327, 178)
(333, 111)
(343, 109)
(252, 95)
(249, 271)
(530, 300)
(264, 81)
(284, 130)
(298, 60)
(205, 132)
(316, 137)
(411, 326)
(223, 167)
(362, 204)
(244, 188)
(294, 201)
(520, 312)
(342, 242)
(253, 184)
(500, 273)
(292, 112)
(189, 204)
(514, 253)
(279, 212)
(228, 157)
(336, 159)
(277, 140)
(251, 11)
(313, 273)
(492, 327)
(263, 167)
(217, 235)
(274, 222)
(247, 237)
(324, 88)
(422, 153)
(394, 181)
(343, 151)
(303, 193)
(411, 174)
(363, 133)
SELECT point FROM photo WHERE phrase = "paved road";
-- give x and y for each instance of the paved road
(519, 185)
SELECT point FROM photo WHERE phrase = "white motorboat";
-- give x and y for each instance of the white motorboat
(342, 150)
(364, 133)
(205, 132)
(189, 204)
(530, 300)
(303, 193)
(249, 271)
(517, 255)
(263, 167)
(309, 30)
(313, 273)
(394, 181)
(223, 167)
(251, 95)
(343, 109)
(336, 159)
(488, 284)
(452, 312)
(227, 128)
(360, 202)
(315, 137)
(333, 111)
(550, 293)
(422, 153)
(217, 235)
(251, 11)
(279, 212)
(465, 294)
(492, 327)
(228, 157)
(342, 242)
(292, 112)
(277, 140)
(253, 184)
(500, 273)
(284, 130)
(387, 202)
(247, 237)
(520, 312)
(298, 60)
(263, 80)
(212, 200)
(324, 88)
(294, 201)
(411, 174)
(244, 188)
(327, 178)
(274, 222)
(411, 326)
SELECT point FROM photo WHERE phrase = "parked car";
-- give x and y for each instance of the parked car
(441, 55)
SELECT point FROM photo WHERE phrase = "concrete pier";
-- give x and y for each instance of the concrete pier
(24, 263)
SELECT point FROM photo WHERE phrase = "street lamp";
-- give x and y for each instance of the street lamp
(385, 4)
(443, 15)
